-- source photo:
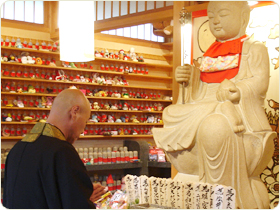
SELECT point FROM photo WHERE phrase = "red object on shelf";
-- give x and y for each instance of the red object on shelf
(114, 159)
(85, 160)
(110, 179)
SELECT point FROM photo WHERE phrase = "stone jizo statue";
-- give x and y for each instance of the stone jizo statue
(221, 134)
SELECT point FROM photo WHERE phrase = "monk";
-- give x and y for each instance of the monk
(44, 170)
(221, 134)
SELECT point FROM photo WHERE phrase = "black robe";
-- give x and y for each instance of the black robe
(46, 173)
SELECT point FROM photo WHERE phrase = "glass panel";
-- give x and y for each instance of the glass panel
(104, 32)
(160, 39)
(39, 12)
(159, 4)
(141, 6)
(19, 10)
(29, 11)
(148, 31)
(150, 5)
(107, 9)
(120, 31)
(153, 37)
(112, 32)
(9, 10)
(126, 32)
(141, 31)
(132, 7)
(116, 9)
(100, 10)
(133, 31)
(123, 8)
(169, 3)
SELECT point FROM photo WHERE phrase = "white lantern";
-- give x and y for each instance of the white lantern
(76, 31)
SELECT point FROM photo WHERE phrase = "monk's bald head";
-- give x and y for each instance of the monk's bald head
(68, 98)
(70, 112)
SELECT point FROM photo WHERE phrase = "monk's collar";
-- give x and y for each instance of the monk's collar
(45, 129)
(56, 131)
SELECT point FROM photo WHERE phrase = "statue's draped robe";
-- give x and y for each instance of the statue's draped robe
(181, 122)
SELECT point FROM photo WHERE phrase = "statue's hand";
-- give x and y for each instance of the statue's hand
(228, 91)
(183, 74)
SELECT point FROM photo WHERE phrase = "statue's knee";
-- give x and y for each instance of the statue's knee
(213, 132)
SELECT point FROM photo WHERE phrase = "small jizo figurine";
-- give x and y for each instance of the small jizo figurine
(222, 130)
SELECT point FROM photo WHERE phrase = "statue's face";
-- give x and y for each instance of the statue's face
(224, 20)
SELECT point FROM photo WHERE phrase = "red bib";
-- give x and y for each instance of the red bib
(217, 49)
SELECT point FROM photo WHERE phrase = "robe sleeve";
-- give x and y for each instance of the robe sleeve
(253, 89)
(73, 185)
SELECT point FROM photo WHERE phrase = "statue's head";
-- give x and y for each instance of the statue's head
(228, 19)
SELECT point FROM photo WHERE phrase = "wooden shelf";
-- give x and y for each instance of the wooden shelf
(28, 94)
(89, 123)
(90, 70)
(82, 83)
(88, 137)
(93, 110)
(89, 97)
(169, 56)
(167, 45)
(18, 123)
(24, 108)
(158, 79)
(97, 58)
(136, 62)
(30, 50)
(156, 164)
(130, 123)
(99, 167)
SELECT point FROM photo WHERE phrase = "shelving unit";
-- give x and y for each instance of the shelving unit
(159, 164)
(158, 80)
(159, 169)
(116, 166)
(139, 168)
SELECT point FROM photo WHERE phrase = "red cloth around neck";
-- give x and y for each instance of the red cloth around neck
(231, 47)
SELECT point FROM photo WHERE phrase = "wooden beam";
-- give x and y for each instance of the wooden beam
(24, 25)
(127, 40)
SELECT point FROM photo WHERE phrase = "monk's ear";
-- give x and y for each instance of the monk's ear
(74, 110)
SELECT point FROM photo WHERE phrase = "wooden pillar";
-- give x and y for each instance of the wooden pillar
(54, 33)
(177, 7)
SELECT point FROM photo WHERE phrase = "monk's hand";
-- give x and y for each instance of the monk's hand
(227, 91)
(183, 74)
(98, 190)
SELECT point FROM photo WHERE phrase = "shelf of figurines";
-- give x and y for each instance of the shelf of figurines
(83, 83)
(97, 58)
(122, 70)
(43, 103)
(88, 137)
(97, 85)
(16, 123)
(153, 99)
